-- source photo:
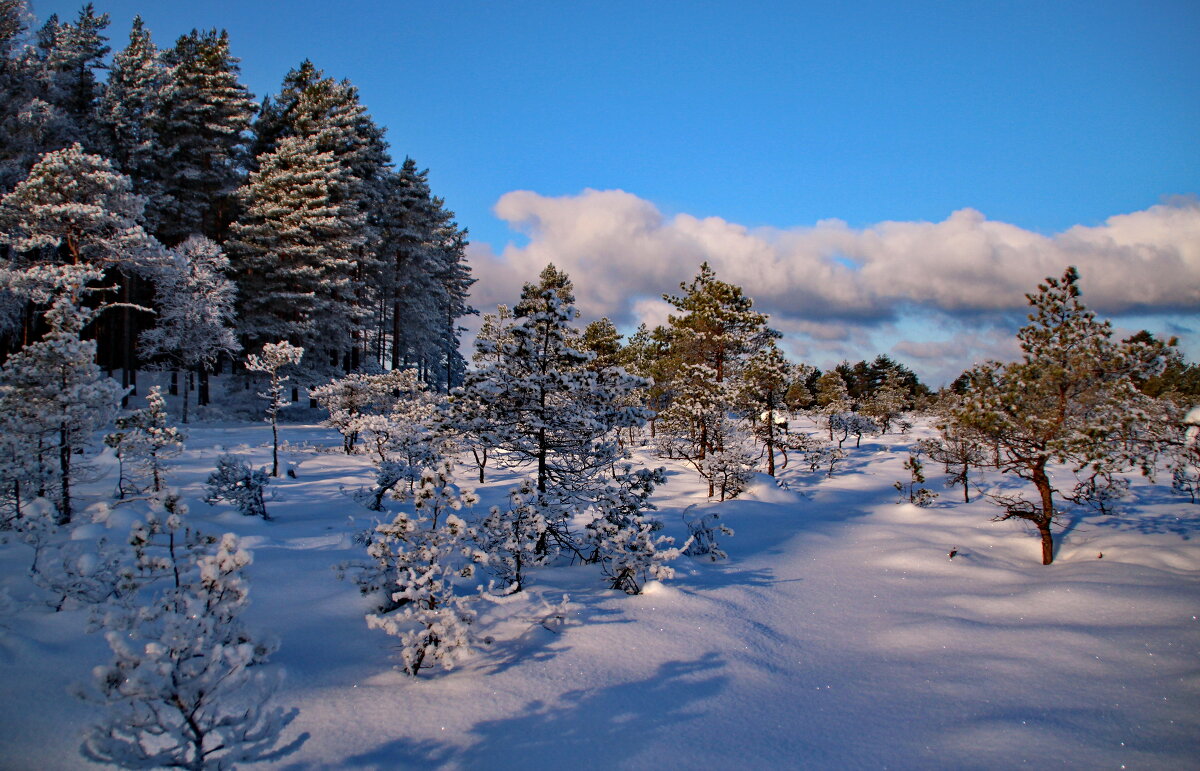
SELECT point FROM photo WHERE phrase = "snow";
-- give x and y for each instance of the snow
(838, 633)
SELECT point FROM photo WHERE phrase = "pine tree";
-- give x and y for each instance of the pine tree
(833, 397)
(547, 411)
(131, 111)
(201, 135)
(718, 326)
(294, 250)
(762, 393)
(186, 687)
(52, 394)
(425, 553)
(601, 339)
(1071, 399)
(143, 441)
(274, 359)
(195, 303)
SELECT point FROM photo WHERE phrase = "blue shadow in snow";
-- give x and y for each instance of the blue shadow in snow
(600, 727)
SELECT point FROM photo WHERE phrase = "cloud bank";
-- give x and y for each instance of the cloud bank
(832, 288)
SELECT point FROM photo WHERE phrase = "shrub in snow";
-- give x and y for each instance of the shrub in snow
(517, 536)
(143, 441)
(702, 534)
(913, 490)
(849, 424)
(186, 686)
(235, 482)
(623, 539)
(1184, 460)
(728, 471)
(958, 450)
(83, 571)
(275, 357)
(425, 552)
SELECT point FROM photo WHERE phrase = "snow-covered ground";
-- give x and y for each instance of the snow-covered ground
(838, 634)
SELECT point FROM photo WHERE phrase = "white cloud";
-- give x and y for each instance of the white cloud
(829, 282)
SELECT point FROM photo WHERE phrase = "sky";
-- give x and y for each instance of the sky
(881, 177)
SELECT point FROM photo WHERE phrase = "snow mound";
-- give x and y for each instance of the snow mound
(765, 488)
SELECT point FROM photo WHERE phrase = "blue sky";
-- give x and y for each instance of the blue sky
(766, 119)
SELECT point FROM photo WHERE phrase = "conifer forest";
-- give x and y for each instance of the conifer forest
(275, 493)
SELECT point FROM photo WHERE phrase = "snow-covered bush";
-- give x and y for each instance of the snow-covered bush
(186, 686)
(1100, 491)
(849, 424)
(702, 534)
(424, 553)
(728, 470)
(517, 536)
(143, 441)
(236, 482)
(623, 539)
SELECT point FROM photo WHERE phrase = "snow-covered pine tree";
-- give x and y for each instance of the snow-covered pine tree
(49, 88)
(623, 538)
(294, 251)
(143, 442)
(75, 209)
(130, 112)
(546, 409)
(516, 537)
(195, 303)
(426, 279)
(274, 359)
(762, 392)
(186, 687)
(52, 394)
(888, 400)
(1071, 399)
(832, 397)
(425, 554)
(329, 115)
(201, 133)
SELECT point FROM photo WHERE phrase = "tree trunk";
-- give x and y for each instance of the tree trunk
(274, 448)
(64, 459)
(186, 399)
(1042, 482)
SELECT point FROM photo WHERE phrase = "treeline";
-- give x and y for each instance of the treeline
(219, 223)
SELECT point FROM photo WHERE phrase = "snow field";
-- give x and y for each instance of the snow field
(838, 634)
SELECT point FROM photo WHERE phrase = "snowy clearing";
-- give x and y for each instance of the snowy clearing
(839, 633)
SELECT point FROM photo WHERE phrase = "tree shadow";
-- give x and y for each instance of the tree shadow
(603, 727)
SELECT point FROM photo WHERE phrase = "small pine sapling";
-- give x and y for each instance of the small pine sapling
(275, 356)
(702, 534)
(425, 552)
(517, 536)
(914, 490)
(186, 686)
(236, 482)
(623, 538)
(143, 441)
